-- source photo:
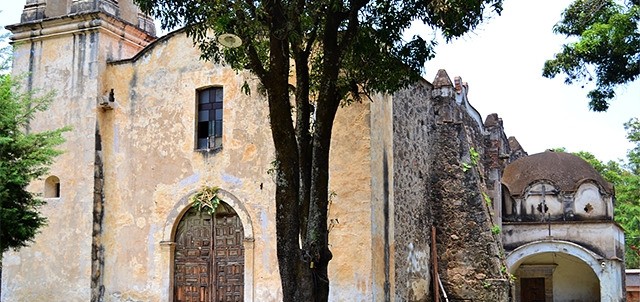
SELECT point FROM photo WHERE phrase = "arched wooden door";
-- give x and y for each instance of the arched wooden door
(209, 257)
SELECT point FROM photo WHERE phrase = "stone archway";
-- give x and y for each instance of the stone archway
(605, 270)
(233, 221)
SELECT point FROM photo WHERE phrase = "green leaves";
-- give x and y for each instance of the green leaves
(607, 49)
(625, 177)
(374, 54)
(206, 199)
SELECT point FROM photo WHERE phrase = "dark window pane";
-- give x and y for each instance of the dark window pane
(203, 143)
(204, 96)
(212, 128)
(203, 129)
(209, 126)
(218, 98)
(218, 128)
(203, 116)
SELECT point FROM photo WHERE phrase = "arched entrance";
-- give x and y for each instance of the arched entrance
(569, 265)
(556, 276)
(209, 257)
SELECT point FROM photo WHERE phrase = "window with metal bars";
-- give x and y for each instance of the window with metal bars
(209, 127)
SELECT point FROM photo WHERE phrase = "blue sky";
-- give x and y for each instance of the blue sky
(502, 62)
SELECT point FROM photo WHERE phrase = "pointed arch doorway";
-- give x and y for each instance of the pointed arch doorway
(209, 257)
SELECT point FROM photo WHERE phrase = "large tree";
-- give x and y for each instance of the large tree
(605, 47)
(24, 157)
(341, 51)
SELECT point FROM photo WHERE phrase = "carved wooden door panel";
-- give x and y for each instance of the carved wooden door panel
(229, 258)
(208, 270)
(192, 281)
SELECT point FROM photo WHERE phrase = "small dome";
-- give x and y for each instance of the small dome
(565, 170)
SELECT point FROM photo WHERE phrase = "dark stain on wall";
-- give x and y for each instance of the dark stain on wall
(97, 248)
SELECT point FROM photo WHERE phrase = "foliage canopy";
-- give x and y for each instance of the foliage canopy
(625, 176)
(606, 47)
(369, 34)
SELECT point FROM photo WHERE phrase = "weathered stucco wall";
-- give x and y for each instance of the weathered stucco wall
(71, 64)
(382, 221)
(138, 158)
(601, 237)
(150, 164)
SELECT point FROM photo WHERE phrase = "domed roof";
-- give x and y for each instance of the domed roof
(565, 170)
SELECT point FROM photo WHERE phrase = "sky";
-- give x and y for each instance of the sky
(502, 62)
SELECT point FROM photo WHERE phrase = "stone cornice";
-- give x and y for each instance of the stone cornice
(91, 21)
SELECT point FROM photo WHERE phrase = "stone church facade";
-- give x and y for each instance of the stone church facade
(152, 124)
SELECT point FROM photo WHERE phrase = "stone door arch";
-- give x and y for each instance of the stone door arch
(607, 271)
(209, 257)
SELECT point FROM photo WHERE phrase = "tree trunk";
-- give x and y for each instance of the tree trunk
(327, 106)
(302, 182)
(286, 153)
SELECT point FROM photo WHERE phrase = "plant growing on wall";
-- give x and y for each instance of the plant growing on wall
(474, 155)
(314, 56)
(495, 229)
(487, 200)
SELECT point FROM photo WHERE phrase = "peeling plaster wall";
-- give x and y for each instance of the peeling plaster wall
(382, 202)
(142, 155)
(350, 208)
(601, 237)
(150, 164)
(71, 64)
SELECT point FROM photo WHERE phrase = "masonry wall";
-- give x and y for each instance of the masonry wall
(470, 257)
(439, 183)
(413, 137)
